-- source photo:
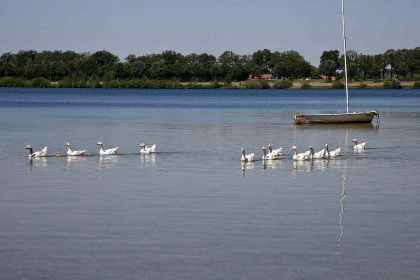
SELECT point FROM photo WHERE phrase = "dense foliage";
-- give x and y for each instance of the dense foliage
(337, 85)
(306, 86)
(282, 84)
(402, 64)
(104, 66)
(392, 84)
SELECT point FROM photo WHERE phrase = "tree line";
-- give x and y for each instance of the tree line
(103, 66)
(57, 65)
(400, 64)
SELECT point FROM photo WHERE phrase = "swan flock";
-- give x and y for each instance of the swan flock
(113, 151)
(271, 154)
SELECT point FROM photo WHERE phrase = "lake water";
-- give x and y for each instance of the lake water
(193, 211)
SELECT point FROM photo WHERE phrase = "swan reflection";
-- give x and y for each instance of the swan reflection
(359, 152)
(106, 161)
(298, 165)
(74, 159)
(148, 159)
(37, 161)
(270, 164)
(246, 165)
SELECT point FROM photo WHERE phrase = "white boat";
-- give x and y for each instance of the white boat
(355, 117)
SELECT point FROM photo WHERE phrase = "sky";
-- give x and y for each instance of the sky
(196, 26)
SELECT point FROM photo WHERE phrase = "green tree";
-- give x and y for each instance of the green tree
(7, 64)
(262, 59)
(131, 58)
(389, 59)
(365, 66)
(328, 67)
(157, 69)
(296, 66)
(231, 66)
(100, 62)
(331, 55)
(377, 66)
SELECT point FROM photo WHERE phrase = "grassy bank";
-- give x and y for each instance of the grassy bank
(174, 84)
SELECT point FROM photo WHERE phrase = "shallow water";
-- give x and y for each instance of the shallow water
(193, 211)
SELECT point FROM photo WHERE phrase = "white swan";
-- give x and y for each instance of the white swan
(70, 152)
(317, 155)
(153, 148)
(266, 156)
(145, 150)
(360, 146)
(246, 158)
(112, 151)
(276, 153)
(301, 156)
(332, 154)
(42, 153)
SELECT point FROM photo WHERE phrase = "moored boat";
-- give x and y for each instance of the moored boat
(355, 117)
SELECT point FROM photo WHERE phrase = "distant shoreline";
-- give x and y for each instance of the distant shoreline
(174, 84)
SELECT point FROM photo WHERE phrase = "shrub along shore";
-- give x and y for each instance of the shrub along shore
(174, 84)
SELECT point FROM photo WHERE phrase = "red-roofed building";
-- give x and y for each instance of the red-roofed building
(262, 77)
(325, 77)
(267, 77)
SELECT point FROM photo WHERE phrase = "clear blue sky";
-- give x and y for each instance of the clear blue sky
(242, 26)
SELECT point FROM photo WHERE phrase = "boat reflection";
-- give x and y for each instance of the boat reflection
(246, 165)
(343, 197)
(107, 161)
(349, 126)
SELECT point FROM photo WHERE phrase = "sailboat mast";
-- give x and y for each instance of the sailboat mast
(345, 56)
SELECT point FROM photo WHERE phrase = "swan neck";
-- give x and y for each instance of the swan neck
(31, 151)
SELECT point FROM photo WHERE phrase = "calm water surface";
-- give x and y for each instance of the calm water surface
(193, 211)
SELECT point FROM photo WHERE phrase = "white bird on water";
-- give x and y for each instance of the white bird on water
(146, 150)
(275, 153)
(70, 152)
(360, 146)
(301, 156)
(317, 155)
(42, 153)
(332, 154)
(246, 158)
(112, 151)
(266, 156)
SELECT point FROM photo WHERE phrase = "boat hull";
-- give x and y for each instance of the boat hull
(356, 117)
